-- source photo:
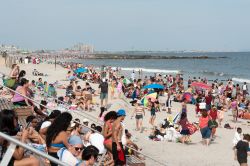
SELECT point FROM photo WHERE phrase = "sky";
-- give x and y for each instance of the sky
(118, 25)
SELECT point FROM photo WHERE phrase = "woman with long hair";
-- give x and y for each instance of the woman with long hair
(9, 125)
(57, 137)
(107, 132)
(205, 130)
(184, 128)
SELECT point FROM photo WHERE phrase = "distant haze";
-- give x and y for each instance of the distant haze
(117, 25)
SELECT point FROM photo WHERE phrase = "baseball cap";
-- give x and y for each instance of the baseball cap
(121, 112)
(74, 139)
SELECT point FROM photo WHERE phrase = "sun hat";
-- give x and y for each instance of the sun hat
(121, 112)
(85, 120)
(74, 139)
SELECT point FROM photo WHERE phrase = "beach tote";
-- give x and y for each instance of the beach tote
(202, 106)
(9, 82)
(192, 128)
(212, 124)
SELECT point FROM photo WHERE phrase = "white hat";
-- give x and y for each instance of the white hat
(85, 120)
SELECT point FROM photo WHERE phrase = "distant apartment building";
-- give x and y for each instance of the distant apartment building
(8, 48)
(83, 48)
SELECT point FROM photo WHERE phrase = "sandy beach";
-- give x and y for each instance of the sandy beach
(219, 153)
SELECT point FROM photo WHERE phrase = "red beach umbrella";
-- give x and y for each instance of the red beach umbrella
(201, 85)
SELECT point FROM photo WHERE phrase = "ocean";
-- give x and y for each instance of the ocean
(233, 65)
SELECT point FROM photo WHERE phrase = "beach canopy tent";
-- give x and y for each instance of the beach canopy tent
(81, 70)
(154, 86)
(201, 85)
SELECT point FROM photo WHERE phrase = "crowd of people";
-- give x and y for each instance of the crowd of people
(58, 134)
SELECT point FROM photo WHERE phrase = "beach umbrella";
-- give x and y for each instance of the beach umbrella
(152, 96)
(154, 86)
(176, 118)
(81, 70)
(187, 96)
(200, 85)
(144, 101)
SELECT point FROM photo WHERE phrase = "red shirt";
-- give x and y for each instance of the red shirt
(213, 114)
(208, 99)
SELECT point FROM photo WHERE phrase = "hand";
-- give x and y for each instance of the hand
(118, 147)
(25, 134)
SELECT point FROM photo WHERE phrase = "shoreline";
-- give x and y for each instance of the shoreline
(166, 152)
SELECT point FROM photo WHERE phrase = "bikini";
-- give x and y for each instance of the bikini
(108, 140)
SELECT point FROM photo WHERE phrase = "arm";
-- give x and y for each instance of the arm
(18, 154)
(23, 92)
(106, 132)
(115, 135)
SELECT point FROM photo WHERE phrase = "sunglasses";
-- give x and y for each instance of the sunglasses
(78, 149)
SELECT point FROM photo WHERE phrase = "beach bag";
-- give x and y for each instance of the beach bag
(192, 128)
(9, 82)
(212, 124)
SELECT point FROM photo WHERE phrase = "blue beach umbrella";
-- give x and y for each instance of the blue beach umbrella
(81, 70)
(154, 86)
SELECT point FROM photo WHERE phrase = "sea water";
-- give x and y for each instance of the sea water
(233, 65)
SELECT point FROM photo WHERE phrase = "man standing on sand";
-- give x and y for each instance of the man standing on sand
(104, 92)
(117, 131)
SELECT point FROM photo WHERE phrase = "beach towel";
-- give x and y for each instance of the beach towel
(192, 128)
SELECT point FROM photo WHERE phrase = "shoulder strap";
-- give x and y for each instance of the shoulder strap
(62, 153)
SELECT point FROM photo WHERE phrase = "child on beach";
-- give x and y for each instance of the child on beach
(237, 136)
(242, 150)
(220, 115)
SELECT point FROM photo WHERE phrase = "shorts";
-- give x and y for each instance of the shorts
(168, 103)
(234, 112)
(20, 103)
(103, 96)
(53, 154)
(205, 132)
(208, 107)
(185, 132)
(241, 160)
(138, 117)
(116, 156)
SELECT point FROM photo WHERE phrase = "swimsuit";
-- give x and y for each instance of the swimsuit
(152, 111)
(108, 140)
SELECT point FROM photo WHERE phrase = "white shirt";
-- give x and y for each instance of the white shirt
(45, 124)
(237, 138)
(97, 140)
(67, 157)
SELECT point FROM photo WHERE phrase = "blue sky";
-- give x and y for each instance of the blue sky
(118, 25)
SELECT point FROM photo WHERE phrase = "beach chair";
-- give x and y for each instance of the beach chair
(132, 160)
(22, 113)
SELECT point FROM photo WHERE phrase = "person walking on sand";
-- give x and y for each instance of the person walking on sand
(242, 148)
(139, 112)
(183, 122)
(117, 147)
(152, 113)
(205, 130)
(119, 88)
(104, 92)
